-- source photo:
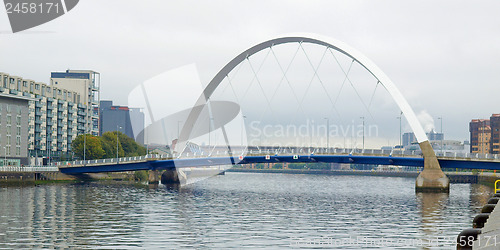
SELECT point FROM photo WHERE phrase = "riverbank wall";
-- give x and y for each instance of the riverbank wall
(13, 178)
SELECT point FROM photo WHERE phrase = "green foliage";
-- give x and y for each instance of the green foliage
(127, 147)
(105, 146)
(260, 166)
(297, 166)
(92, 145)
(278, 165)
(141, 175)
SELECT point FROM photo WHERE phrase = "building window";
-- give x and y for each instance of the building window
(18, 140)
(25, 84)
(37, 86)
(18, 150)
(19, 110)
(18, 132)
(5, 81)
(9, 119)
(8, 139)
(8, 150)
(31, 87)
(8, 108)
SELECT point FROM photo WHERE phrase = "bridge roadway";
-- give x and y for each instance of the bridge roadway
(157, 162)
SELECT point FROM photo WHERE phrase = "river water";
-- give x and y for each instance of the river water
(239, 210)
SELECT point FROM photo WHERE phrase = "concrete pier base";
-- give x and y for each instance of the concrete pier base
(432, 178)
(154, 177)
(173, 176)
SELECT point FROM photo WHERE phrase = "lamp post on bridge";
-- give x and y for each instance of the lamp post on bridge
(327, 134)
(84, 142)
(442, 135)
(363, 119)
(117, 159)
(399, 117)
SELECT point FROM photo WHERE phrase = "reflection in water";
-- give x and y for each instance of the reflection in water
(479, 196)
(432, 206)
(234, 210)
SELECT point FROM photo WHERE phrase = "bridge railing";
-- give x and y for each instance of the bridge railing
(29, 169)
(467, 155)
(298, 151)
(112, 160)
(276, 151)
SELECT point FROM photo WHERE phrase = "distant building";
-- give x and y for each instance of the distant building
(448, 145)
(121, 118)
(480, 134)
(495, 134)
(408, 139)
(435, 136)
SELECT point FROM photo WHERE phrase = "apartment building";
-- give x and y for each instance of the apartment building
(87, 83)
(54, 115)
(480, 134)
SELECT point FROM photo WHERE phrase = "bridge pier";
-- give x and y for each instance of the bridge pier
(173, 176)
(154, 177)
(432, 178)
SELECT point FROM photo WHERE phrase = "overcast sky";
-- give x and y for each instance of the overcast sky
(443, 55)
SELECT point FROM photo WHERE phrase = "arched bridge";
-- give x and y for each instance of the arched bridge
(430, 179)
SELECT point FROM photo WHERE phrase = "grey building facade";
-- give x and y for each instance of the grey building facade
(121, 118)
(13, 129)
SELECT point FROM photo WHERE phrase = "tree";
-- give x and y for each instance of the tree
(92, 145)
(127, 147)
(108, 141)
(100, 147)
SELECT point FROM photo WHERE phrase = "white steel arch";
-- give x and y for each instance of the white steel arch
(327, 42)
